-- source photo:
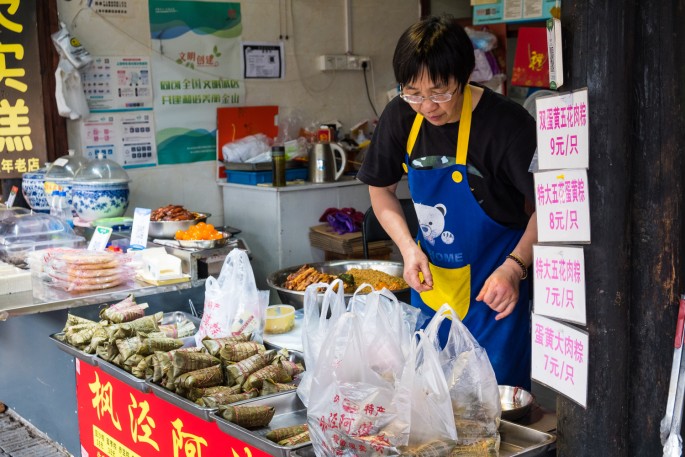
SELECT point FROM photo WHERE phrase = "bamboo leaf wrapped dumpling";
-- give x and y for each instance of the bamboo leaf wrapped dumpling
(204, 377)
(240, 351)
(282, 433)
(248, 416)
(196, 393)
(237, 373)
(274, 372)
(214, 345)
(295, 440)
(218, 399)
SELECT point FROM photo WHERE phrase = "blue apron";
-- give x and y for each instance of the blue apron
(464, 246)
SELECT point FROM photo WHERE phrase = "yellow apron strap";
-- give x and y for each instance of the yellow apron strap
(464, 127)
(414, 133)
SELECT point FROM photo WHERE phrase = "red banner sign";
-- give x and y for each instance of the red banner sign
(116, 420)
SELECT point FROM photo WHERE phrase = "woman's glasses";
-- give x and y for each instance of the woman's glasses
(435, 98)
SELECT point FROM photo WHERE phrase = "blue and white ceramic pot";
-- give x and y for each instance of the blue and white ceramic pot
(98, 200)
(32, 186)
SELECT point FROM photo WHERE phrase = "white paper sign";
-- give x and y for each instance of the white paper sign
(98, 242)
(563, 127)
(562, 206)
(559, 285)
(560, 358)
(139, 230)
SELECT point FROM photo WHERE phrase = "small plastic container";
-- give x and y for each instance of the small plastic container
(279, 319)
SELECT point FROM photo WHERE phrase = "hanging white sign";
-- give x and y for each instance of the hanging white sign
(563, 131)
(560, 358)
(559, 284)
(562, 206)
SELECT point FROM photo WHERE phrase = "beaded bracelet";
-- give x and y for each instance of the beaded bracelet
(520, 263)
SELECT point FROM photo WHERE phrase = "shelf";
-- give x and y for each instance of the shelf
(44, 298)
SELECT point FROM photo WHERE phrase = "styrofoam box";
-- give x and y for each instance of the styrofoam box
(13, 279)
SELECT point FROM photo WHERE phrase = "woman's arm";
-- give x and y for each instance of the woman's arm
(501, 290)
(389, 212)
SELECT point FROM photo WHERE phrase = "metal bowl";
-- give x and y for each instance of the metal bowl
(516, 402)
(296, 298)
(205, 244)
(168, 229)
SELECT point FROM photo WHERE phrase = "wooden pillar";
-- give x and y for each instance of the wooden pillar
(630, 56)
(658, 70)
(596, 56)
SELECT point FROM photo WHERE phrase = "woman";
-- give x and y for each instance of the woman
(466, 151)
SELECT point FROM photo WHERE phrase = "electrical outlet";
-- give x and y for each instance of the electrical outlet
(340, 62)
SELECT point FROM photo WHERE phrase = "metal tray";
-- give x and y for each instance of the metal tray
(206, 413)
(123, 375)
(90, 359)
(520, 441)
(181, 402)
(289, 411)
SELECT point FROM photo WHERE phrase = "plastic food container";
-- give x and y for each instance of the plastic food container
(22, 234)
(279, 318)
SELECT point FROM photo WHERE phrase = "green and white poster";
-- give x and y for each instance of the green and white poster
(196, 67)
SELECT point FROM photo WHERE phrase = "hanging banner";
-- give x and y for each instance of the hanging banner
(116, 420)
(22, 127)
(196, 67)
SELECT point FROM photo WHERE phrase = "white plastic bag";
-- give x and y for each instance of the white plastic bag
(317, 325)
(354, 410)
(424, 383)
(233, 304)
(471, 380)
(387, 325)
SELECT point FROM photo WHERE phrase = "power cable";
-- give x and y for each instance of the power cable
(366, 84)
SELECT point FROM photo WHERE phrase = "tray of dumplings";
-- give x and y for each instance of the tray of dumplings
(223, 371)
(276, 425)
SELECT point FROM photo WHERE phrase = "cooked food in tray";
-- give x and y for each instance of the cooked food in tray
(352, 279)
(172, 213)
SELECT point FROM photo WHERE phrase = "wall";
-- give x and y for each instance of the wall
(314, 27)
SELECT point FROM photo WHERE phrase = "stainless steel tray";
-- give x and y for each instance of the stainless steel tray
(516, 440)
(123, 375)
(202, 412)
(520, 441)
(90, 359)
(289, 411)
(181, 402)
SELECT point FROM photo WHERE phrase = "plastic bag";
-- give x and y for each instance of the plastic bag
(471, 380)
(354, 410)
(233, 304)
(317, 325)
(424, 383)
(245, 148)
(387, 324)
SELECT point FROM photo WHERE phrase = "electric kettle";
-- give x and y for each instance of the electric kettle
(322, 163)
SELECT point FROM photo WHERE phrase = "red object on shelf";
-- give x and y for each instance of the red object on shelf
(531, 68)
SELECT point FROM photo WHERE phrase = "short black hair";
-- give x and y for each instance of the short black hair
(437, 45)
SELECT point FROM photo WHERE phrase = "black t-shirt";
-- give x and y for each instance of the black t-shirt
(501, 146)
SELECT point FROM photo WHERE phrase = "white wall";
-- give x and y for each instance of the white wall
(315, 27)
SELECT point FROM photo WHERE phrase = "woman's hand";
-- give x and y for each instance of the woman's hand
(416, 268)
(501, 290)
